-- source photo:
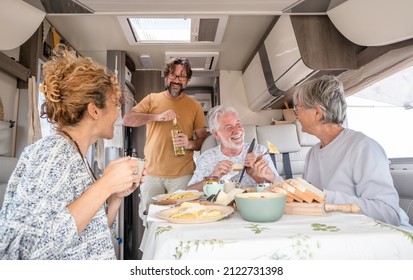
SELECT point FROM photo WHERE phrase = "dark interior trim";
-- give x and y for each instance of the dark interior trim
(322, 46)
(371, 53)
(13, 67)
(260, 43)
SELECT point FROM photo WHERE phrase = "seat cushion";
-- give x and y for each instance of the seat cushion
(404, 186)
(407, 206)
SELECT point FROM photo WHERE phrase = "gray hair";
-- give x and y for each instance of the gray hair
(326, 92)
(216, 112)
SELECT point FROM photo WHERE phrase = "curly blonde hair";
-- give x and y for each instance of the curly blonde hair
(70, 84)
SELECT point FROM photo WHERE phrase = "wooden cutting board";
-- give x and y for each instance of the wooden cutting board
(318, 209)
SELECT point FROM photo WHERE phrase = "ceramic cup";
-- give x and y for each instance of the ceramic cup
(141, 165)
(229, 186)
(261, 187)
(212, 188)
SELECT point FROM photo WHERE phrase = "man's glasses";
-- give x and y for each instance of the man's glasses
(180, 78)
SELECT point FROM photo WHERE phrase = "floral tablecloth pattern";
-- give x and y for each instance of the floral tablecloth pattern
(333, 236)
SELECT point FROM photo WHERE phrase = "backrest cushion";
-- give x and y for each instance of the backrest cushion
(249, 131)
(209, 142)
(284, 137)
(305, 138)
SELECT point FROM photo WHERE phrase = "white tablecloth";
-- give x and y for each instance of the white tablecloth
(332, 236)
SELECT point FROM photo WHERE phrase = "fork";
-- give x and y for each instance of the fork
(213, 197)
(266, 153)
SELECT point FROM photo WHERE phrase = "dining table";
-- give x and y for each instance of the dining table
(332, 236)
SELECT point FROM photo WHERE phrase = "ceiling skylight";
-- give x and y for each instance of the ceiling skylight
(189, 29)
(161, 30)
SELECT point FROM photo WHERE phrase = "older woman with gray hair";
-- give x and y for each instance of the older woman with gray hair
(349, 166)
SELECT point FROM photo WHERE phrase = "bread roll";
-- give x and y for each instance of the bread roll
(307, 189)
(237, 167)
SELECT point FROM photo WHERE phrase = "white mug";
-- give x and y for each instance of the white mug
(212, 188)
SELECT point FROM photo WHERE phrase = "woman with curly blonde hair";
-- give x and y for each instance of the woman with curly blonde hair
(54, 206)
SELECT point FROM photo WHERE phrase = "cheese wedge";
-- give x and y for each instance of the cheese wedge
(227, 198)
(272, 149)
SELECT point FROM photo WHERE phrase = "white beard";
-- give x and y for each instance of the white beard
(231, 145)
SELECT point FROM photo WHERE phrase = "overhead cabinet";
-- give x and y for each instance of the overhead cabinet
(275, 68)
(296, 49)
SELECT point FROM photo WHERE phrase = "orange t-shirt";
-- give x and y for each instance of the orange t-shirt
(159, 153)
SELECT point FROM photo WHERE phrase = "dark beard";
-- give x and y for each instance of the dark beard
(173, 92)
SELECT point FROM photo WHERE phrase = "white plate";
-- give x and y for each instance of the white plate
(225, 210)
(189, 196)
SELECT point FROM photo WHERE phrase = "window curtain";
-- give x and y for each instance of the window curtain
(35, 132)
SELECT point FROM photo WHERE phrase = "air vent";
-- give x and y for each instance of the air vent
(207, 29)
(200, 61)
(65, 7)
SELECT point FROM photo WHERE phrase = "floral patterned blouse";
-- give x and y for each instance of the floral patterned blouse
(207, 161)
(35, 222)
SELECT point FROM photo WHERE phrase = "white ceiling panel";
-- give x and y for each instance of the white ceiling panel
(92, 34)
(374, 22)
(189, 6)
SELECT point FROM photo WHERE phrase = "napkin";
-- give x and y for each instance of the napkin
(153, 209)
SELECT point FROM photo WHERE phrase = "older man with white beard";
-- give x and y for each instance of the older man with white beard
(225, 126)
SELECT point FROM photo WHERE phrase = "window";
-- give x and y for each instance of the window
(384, 111)
(161, 30)
(45, 126)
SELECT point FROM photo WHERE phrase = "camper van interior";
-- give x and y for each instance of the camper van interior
(250, 54)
